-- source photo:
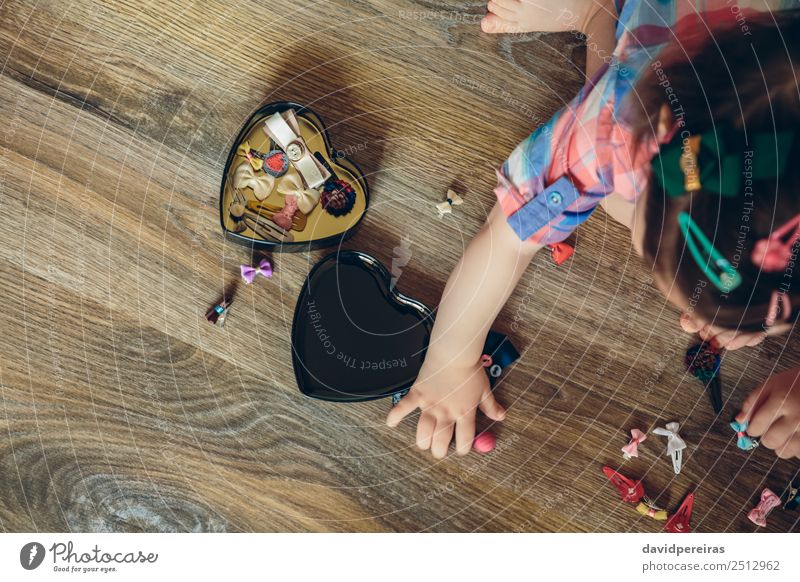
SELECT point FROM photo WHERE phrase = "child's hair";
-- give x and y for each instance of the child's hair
(736, 83)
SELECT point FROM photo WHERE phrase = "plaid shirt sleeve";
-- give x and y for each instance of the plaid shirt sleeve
(555, 178)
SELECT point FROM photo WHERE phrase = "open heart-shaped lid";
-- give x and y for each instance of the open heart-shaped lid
(354, 337)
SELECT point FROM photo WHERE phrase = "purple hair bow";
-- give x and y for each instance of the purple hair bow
(249, 273)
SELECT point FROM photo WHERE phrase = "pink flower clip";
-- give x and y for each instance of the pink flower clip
(774, 252)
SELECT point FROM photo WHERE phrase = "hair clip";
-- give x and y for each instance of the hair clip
(709, 257)
(648, 507)
(679, 522)
(630, 491)
(743, 440)
(445, 207)
(217, 314)
(255, 159)
(772, 253)
(703, 362)
(769, 501)
(284, 216)
(632, 448)
(711, 161)
(249, 273)
(244, 177)
(276, 163)
(338, 197)
(561, 252)
(778, 302)
(791, 500)
(675, 444)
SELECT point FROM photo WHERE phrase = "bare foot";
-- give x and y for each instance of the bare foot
(514, 16)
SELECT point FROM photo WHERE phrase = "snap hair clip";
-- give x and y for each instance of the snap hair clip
(679, 522)
(675, 444)
(716, 267)
(703, 362)
(218, 312)
(630, 491)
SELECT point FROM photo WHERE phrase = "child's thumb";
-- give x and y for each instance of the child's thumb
(490, 407)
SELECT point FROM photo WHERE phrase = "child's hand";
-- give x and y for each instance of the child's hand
(774, 412)
(447, 393)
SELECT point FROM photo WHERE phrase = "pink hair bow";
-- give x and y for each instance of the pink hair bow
(769, 501)
(774, 252)
(249, 273)
(632, 448)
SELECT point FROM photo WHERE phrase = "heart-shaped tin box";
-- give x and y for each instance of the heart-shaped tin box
(285, 188)
(355, 337)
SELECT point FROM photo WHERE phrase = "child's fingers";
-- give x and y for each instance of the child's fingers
(749, 404)
(441, 438)
(465, 433)
(778, 433)
(490, 407)
(791, 448)
(407, 404)
(764, 415)
(425, 428)
(689, 324)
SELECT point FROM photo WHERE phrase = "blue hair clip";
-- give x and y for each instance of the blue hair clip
(744, 441)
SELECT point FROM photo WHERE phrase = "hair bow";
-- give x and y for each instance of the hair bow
(708, 161)
(769, 501)
(630, 491)
(445, 207)
(744, 441)
(244, 177)
(650, 509)
(773, 253)
(675, 444)
(679, 522)
(246, 151)
(249, 273)
(632, 448)
(292, 185)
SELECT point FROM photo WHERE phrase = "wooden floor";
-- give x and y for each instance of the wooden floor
(121, 409)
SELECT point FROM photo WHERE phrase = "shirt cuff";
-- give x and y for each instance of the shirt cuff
(539, 219)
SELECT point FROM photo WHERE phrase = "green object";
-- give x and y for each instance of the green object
(716, 267)
(720, 169)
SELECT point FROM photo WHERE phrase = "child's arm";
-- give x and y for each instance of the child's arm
(452, 383)
(773, 410)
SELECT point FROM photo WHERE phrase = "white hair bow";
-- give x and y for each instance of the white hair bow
(675, 444)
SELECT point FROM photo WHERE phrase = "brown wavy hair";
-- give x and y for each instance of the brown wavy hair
(743, 84)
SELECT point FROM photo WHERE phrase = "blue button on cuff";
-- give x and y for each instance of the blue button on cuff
(544, 208)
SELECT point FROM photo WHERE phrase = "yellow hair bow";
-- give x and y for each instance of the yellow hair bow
(244, 150)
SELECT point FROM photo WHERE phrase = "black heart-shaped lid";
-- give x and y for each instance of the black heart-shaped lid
(354, 337)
